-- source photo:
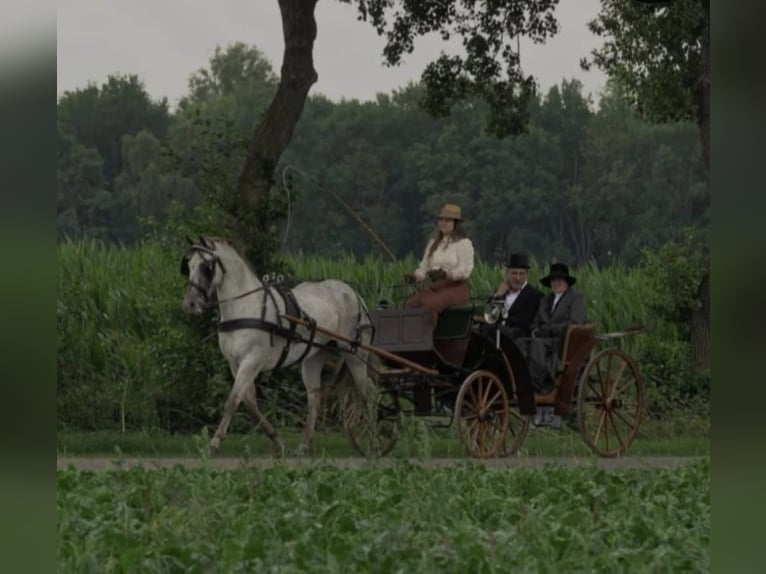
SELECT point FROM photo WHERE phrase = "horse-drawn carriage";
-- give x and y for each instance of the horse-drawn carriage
(450, 372)
(455, 372)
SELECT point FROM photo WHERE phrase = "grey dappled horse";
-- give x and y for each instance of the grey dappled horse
(214, 267)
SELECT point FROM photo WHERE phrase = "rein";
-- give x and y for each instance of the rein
(293, 314)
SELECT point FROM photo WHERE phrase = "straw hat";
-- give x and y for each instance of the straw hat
(451, 211)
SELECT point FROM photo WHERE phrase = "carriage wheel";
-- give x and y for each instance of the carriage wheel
(610, 403)
(518, 427)
(481, 414)
(379, 438)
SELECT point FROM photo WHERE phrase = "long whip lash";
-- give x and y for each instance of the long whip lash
(369, 229)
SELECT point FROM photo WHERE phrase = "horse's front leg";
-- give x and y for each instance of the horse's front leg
(311, 370)
(244, 378)
(251, 402)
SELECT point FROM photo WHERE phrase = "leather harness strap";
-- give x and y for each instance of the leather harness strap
(288, 333)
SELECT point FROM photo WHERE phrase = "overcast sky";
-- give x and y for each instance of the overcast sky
(165, 41)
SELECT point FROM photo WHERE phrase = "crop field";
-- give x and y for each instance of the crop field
(403, 518)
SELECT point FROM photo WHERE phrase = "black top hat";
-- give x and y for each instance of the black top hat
(518, 260)
(558, 271)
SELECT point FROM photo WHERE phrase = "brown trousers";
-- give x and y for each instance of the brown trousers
(439, 295)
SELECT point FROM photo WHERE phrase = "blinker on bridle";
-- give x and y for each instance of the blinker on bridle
(208, 270)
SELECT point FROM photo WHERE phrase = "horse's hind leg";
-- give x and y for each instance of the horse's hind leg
(311, 369)
(357, 364)
(251, 402)
(244, 379)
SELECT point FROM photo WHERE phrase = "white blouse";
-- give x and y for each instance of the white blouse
(454, 257)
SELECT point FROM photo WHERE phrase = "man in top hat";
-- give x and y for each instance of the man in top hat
(520, 299)
(563, 307)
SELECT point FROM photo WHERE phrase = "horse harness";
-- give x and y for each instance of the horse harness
(292, 308)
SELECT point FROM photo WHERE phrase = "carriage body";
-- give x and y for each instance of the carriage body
(456, 373)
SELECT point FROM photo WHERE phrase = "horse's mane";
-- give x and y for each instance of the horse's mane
(237, 248)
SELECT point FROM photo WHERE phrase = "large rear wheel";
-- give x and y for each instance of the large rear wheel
(610, 403)
(482, 414)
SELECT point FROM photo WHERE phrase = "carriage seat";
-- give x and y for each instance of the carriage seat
(575, 337)
(454, 323)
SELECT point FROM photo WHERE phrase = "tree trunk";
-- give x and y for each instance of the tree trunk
(700, 326)
(700, 320)
(274, 132)
(703, 88)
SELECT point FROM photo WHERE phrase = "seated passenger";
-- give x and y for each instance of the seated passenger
(563, 307)
(447, 262)
(520, 300)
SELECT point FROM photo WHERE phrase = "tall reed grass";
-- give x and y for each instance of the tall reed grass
(129, 357)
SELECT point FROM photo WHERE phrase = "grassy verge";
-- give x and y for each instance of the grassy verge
(539, 442)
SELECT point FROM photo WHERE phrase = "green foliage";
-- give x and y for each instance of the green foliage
(654, 54)
(99, 117)
(581, 185)
(675, 271)
(491, 68)
(405, 518)
(125, 346)
(547, 192)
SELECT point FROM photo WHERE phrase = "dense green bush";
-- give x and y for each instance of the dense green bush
(129, 356)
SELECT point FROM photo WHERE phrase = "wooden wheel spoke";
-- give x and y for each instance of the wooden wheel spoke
(495, 397)
(598, 429)
(471, 407)
(472, 432)
(616, 431)
(480, 391)
(617, 380)
(631, 424)
(480, 437)
(473, 395)
(497, 424)
(486, 393)
(595, 391)
(483, 413)
(624, 386)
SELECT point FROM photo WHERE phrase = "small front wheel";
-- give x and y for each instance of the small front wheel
(376, 438)
(482, 414)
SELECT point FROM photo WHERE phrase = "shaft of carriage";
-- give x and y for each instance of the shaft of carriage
(372, 349)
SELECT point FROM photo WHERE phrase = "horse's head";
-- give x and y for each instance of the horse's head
(204, 272)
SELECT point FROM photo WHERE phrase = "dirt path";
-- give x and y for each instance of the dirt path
(110, 463)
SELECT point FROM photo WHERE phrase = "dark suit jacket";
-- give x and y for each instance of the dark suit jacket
(569, 311)
(524, 308)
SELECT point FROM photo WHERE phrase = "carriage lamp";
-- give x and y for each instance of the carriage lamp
(493, 311)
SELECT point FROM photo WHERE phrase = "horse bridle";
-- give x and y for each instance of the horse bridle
(208, 270)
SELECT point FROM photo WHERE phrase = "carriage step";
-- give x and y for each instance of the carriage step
(545, 417)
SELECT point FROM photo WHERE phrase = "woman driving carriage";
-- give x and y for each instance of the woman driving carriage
(447, 262)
